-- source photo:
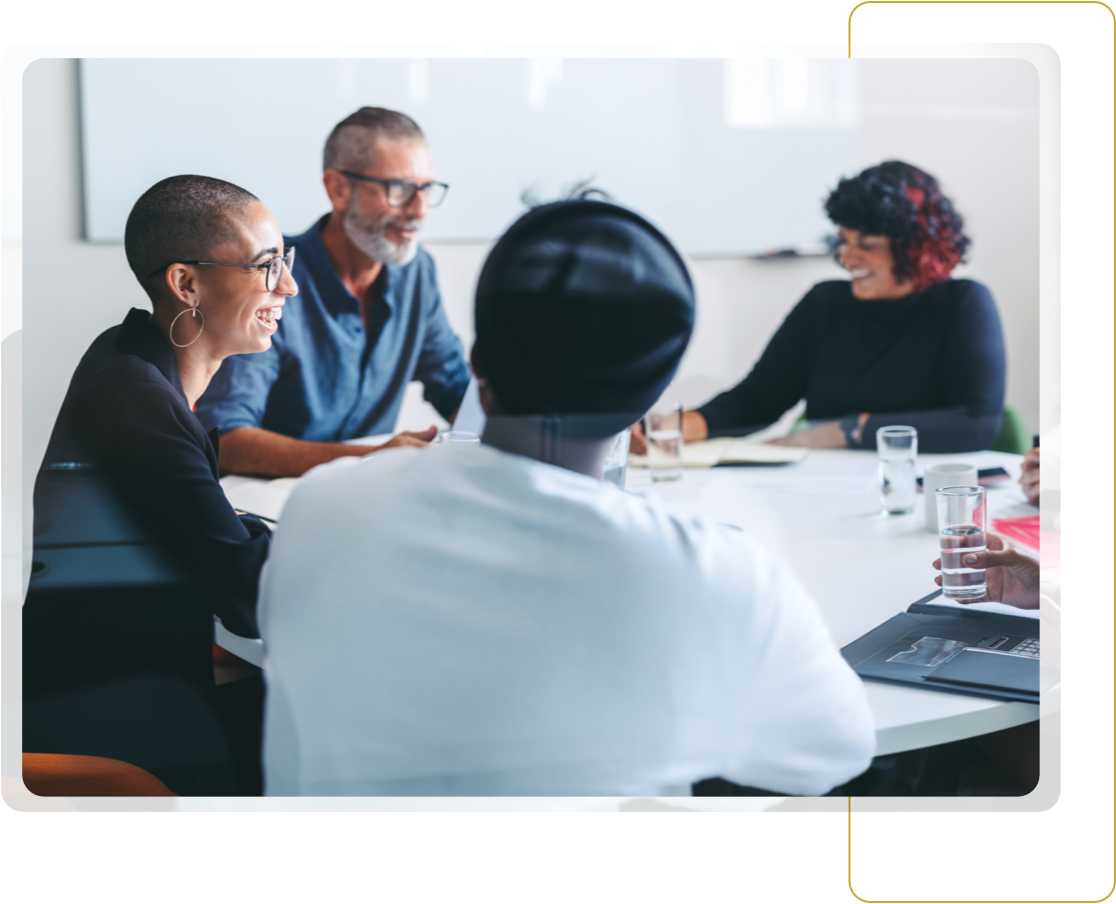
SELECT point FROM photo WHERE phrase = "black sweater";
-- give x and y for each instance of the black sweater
(125, 411)
(933, 360)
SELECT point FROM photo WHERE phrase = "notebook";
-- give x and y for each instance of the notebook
(960, 651)
(728, 450)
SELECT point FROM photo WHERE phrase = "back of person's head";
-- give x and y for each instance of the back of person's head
(181, 219)
(907, 205)
(582, 308)
(350, 145)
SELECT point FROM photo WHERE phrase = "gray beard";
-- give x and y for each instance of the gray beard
(370, 237)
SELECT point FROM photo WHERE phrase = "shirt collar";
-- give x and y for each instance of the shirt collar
(337, 298)
(139, 336)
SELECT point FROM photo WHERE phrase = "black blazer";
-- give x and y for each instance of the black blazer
(126, 412)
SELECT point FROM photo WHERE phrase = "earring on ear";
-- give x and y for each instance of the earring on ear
(193, 312)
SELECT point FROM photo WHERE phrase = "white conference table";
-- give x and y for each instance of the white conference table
(822, 515)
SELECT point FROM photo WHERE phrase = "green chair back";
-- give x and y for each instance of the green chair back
(1013, 434)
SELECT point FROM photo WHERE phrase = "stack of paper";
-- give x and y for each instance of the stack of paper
(730, 450)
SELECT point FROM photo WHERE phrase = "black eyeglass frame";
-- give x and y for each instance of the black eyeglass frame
(389, 184)
(286, 258)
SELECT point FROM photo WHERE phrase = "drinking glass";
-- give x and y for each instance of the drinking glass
(616, 465)
(664, 440)
(948, 474)
(962, 521)
(897, 448)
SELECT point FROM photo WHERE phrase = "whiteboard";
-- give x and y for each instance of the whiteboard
(725, 156)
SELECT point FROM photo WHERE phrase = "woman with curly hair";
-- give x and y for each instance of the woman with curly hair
(899, 343)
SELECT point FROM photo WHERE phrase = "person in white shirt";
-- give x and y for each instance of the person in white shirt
(494, 619)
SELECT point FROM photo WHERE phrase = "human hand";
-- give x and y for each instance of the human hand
(1012, 576)
(413, 438)
(824, 436)
(1029, 479)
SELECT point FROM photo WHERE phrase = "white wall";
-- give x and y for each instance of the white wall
(982, 147)
(926, 113)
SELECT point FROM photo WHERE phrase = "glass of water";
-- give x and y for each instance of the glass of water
(962, 522)
(664, 440)
(616, 465)
(897, 448)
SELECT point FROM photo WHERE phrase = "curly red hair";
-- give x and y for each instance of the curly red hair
(905, 204)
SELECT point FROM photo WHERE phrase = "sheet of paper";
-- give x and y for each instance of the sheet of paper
(747, 450)
(265, 498)
(710, 452)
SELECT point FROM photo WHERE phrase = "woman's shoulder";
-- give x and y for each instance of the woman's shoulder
(109, 372)
(962, 300)
(961, 290)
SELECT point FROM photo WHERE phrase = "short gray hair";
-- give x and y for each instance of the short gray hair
(349, 145)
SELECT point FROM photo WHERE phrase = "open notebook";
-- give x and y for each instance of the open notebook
(729, 450)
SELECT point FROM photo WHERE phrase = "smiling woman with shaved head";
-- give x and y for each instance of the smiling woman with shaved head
(211, 258)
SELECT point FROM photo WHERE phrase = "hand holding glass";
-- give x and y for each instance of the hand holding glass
(962, 522)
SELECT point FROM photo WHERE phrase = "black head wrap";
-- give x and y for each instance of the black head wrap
(583, 308)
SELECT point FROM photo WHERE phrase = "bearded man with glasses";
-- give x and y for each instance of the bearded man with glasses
(367, 321)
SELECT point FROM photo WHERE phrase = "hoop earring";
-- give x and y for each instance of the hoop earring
(170, 333)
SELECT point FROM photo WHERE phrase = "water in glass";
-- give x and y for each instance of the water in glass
(958, 581)
(664, 454)
(897, 485)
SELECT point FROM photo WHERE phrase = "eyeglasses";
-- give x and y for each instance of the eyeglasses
(400, 192)
(273, 269)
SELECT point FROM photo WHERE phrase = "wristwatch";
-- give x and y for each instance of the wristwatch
(850, 425)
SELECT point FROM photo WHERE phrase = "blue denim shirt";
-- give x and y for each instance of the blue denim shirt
(326, 378)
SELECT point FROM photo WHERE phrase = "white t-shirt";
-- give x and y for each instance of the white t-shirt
(462, 621)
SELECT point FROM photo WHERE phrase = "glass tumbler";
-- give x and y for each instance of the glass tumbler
(962, 522)
(897, 448)
(664, 440)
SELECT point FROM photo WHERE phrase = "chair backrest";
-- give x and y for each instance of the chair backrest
(117, 648)
(1013, 433)
(71, 775)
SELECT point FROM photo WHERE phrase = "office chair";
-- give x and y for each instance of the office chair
(89, 777)
(61, 775)
(1013, 436)
(118, 648)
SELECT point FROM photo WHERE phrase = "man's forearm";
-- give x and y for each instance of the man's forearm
(252, 450)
